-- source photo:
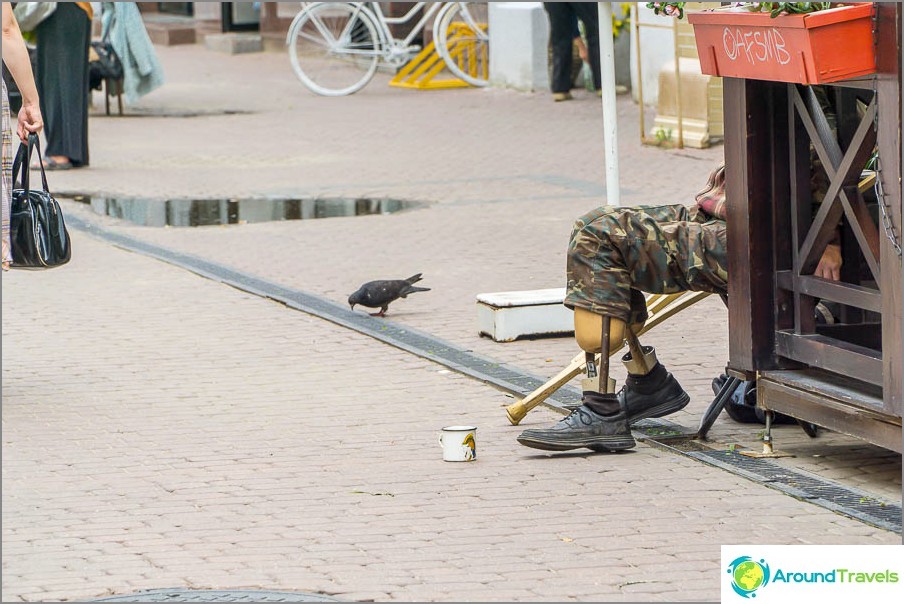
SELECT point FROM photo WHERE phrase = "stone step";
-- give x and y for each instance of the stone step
(234, 43)
(170, 30)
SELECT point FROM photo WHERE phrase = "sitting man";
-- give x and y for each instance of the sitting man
(614, 255)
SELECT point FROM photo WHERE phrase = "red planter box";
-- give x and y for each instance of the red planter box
(816, 48)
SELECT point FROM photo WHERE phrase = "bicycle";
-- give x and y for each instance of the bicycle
(335, 47)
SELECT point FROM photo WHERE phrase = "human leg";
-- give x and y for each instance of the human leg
(614, 253)
(7, 192)
(561, 16)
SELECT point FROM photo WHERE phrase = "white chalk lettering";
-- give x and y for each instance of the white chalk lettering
(783, 56)
(747, 36)
(770, 52)
(729, 44)
(761, 45)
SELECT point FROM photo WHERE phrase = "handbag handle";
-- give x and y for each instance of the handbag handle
(23, 160)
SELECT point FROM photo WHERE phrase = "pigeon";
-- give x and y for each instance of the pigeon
(378, 294)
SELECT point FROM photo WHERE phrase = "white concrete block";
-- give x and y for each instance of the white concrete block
(518, 53)
(507, 316)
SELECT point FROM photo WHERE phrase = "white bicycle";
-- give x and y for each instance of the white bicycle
(335, 47)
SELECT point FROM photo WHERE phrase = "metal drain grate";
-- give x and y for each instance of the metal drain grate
(820, 491)
(217, 595)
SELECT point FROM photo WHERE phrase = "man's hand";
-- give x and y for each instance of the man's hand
(30, 120)
(829, 266)
(582, 49)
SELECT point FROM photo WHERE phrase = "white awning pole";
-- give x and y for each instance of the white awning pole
(610, 116)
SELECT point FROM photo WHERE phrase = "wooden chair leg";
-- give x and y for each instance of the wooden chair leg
(107, 96)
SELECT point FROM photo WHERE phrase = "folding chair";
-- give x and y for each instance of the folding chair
(660, 307)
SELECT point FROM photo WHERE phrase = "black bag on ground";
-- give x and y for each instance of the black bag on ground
(37, 231)
(741, 406)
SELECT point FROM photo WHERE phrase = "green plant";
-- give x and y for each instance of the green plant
(663, 136)
(669, 9)
(777, 8)
(676, 9)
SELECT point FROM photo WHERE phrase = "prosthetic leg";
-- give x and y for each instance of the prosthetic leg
(599, 423)
(598, 334)
(660, 308)
(650, 390)
(602, 421)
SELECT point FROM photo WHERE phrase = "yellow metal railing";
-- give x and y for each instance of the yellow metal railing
(421, 71)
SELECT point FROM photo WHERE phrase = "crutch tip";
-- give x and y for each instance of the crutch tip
(515, 413)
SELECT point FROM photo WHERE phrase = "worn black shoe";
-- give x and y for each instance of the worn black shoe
(582, 428)
(656, 394)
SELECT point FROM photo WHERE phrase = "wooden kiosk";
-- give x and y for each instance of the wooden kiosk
(847, 376)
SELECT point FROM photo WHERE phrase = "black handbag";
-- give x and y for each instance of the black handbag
(107, 66)
(37, 230)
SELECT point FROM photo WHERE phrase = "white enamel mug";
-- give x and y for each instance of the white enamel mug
(459, 443)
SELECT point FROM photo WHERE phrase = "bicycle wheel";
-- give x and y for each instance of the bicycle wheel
(463, 40)
(334, 48)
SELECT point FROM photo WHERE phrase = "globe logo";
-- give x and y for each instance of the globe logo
(748, 575)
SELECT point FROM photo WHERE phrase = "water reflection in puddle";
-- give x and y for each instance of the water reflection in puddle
(206, 212)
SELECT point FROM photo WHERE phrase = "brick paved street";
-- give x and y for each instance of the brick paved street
(188, 434)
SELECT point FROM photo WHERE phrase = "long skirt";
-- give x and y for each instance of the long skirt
(62, 80)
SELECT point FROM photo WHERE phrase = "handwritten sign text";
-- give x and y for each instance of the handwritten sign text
(761, 45)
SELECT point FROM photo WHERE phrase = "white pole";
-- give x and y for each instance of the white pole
(610, 117)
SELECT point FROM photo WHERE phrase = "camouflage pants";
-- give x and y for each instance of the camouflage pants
(617, 253)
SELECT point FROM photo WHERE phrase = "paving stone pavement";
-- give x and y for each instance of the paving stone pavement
(193, 435)
(197, 436)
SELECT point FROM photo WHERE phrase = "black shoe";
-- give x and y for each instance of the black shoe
(582, 428)
(656, 394)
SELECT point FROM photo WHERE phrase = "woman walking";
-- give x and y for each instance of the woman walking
(63, 39)
(15, 57)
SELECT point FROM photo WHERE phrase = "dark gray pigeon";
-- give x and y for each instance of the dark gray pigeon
(378, 294)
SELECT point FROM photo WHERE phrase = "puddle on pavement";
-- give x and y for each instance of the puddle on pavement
(207, 212)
